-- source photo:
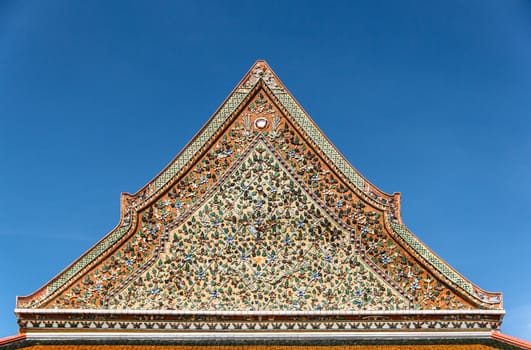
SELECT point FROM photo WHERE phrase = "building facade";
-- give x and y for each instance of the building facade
(260, 234)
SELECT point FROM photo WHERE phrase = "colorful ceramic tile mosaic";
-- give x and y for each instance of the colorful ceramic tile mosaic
(259, 242)
(260, 212)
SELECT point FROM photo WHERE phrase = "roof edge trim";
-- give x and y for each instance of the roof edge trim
(443, 267)
(507, 339)
(260, 313)
(301, 335)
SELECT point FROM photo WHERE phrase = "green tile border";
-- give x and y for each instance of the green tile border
(317, 137)
(425, 253)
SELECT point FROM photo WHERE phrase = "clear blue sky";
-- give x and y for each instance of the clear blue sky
(428, 98)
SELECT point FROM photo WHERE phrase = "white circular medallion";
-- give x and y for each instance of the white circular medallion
(260, 123)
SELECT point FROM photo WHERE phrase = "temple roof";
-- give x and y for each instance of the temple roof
(495, 340)
(260, 217)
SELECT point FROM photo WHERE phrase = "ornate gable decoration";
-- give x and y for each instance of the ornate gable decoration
(260, 217)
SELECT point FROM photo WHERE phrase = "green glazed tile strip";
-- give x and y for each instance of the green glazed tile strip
(88, 258)
(218, 120)
(431, 258)
(317, 137)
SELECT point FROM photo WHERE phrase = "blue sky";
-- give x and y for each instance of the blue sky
(430, 99)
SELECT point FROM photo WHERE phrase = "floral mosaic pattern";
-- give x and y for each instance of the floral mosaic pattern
(378, 243)
(159, 263)
(259, 243)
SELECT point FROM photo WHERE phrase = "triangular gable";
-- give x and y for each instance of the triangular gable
(147, 262)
